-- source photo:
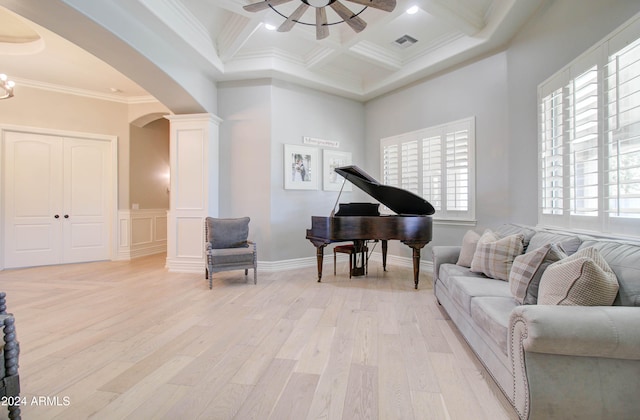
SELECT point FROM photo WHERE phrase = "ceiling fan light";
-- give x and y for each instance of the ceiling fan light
(318, 3)
(270, 27)
(413, 10)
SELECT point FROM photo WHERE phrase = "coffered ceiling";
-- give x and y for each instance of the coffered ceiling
(227, 43)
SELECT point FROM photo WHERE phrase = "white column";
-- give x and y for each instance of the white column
(194, 162)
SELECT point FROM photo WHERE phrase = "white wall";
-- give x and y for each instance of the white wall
(559, 33)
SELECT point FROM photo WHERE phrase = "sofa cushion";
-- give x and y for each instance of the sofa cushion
(527, 271)
(624, 260)
(468, 249)
(463, 289)
(492, 315)
(227, 233)
(568, 243)
(494, 255)
(584, 278)
(447, 271)
(509, 229)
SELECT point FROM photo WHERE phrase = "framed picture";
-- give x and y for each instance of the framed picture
(301, 167)
(331, 180)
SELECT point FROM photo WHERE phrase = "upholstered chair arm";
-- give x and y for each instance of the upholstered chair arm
(553, 349)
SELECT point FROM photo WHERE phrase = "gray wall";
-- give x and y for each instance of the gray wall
(560, 32)
(477, 89)
(259, 118)
(501, 92)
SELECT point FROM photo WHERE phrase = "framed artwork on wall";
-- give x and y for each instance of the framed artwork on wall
(301, 167)
(334, 159)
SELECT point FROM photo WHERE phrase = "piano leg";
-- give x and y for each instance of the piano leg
(416, 266)
(319, 257)
(384, 255)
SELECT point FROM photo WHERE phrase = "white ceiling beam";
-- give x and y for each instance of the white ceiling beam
(237, 31)
(462, 17)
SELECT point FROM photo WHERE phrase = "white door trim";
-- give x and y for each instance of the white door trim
(113, 205)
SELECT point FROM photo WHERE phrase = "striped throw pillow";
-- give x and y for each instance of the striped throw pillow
(494, 255)
(527, 270)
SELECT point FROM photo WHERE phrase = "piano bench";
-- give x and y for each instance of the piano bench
(351, 250)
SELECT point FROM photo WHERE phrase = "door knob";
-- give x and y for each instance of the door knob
(66, 216)
(57, 216)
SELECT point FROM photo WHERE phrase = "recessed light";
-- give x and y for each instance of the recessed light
(269, 27)
(413, 10)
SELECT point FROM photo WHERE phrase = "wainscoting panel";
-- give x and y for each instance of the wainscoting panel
(142, 233)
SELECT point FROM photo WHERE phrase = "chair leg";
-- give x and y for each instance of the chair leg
(334, 262)
(246, 271)
(350, 264)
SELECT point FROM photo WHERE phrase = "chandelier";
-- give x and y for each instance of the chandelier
(6, 87)
(321, 22)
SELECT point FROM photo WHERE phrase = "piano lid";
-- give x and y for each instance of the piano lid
(400, 201)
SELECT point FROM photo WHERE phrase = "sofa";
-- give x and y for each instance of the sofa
(553, 359)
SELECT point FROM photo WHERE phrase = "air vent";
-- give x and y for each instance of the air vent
(405, 41)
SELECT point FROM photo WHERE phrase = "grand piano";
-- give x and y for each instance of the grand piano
(362, 222)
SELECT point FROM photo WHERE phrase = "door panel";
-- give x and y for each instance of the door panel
(33, 193)
(86, 200)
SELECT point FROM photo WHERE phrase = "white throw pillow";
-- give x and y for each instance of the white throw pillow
(468, 249)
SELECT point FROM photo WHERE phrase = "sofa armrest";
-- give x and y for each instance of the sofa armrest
(563, 357)
(444, 255)
(593, 331)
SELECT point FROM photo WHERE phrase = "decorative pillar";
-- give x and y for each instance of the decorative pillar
(194, 161)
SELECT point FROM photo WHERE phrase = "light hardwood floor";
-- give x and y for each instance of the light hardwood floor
(129, 340)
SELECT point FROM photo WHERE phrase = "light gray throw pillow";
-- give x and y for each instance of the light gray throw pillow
(583, 279)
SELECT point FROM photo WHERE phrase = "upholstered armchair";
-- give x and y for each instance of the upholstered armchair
(9, 349)
(227, 247)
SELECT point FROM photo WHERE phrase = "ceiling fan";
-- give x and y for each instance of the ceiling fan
(322, 25)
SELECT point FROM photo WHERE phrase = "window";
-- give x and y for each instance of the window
(589, 139)
(436, 163)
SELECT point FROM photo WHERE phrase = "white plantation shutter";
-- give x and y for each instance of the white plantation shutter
(589, 139)
(390, 165)
(551, 153)
(583, 143)
(622, 137)
(436, 163)
(457, 170)
(432, 171)
(409, 178)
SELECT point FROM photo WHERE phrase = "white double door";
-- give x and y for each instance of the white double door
(58, 196)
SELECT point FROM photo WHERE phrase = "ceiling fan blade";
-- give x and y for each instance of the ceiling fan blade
(386, 5)
(293, 18)
(347, 15)
(263, 5)
(322, 30)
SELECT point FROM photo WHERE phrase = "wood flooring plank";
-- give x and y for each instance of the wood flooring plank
(261, 400)
(395, 402)
(316, 353)
(361, 401)
(296, 397)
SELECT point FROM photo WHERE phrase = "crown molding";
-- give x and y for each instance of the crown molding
(33, 84)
